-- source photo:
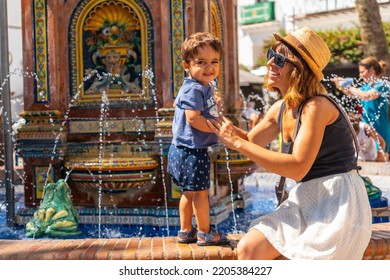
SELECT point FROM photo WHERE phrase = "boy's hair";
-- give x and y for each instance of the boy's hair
(191, 45)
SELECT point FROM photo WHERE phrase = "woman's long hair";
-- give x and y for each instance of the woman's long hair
(303, 84)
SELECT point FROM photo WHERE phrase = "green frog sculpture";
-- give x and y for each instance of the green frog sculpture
(56, 216)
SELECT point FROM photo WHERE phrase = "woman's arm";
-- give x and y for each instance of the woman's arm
(360, 94)
(267, 129)
(355, 92)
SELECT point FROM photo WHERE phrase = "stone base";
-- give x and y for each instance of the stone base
(147, 216)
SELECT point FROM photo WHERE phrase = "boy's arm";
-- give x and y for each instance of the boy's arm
(219, 104)
(196, 120)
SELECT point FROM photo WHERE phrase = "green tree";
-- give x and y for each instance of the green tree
(345, 44)
(371, 30)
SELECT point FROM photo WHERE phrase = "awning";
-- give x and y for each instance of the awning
(247, 78)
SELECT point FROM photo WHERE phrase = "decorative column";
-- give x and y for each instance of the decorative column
(41, 141)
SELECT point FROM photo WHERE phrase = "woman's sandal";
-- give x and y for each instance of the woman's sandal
(187, 237)
(208, 238)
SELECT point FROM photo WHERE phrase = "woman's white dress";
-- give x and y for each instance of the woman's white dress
(323, 218)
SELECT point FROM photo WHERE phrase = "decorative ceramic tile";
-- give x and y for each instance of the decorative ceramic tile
(42, 175)
(41, 91)
(95, 126)
(217, 30)
(144, 216)
(110, 51)
(178, 35)
(136, 125)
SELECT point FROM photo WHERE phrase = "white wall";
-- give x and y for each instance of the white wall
(16, 56)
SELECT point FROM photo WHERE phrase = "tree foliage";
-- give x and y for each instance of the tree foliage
(345, 44)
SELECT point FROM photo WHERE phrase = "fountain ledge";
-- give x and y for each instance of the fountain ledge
(154, 248)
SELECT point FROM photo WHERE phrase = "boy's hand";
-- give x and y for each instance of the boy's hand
(220, 109)
(219, 105)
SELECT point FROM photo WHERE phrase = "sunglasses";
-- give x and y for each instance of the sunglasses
(279, 59)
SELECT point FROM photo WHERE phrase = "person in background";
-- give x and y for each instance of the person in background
(368, 139)
(327, 215)
(251, 115)
(373, 95)
(188, 159)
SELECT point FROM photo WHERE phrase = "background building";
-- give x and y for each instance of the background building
(15, 56)
(258, 19)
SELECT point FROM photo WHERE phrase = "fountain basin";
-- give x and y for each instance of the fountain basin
(114, 174)
(233, 167)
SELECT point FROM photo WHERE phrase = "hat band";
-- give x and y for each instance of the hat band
(292, 39)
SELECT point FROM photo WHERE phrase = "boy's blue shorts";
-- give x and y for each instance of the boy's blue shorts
(189, 168)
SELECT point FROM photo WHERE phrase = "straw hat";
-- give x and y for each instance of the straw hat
(311, 47)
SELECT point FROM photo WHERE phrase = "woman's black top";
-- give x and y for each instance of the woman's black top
(337, 152)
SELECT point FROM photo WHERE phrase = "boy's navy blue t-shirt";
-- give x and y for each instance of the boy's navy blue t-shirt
(193, 96)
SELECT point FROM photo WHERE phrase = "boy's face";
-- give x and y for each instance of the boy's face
(205, 66)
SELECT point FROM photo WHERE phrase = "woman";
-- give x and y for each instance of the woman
(327, 215)
(373, 96)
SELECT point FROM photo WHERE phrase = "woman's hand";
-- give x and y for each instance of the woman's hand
(225, 131)
(337, 81)
(345, 90)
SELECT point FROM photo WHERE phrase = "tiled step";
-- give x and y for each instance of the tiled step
(156, 248)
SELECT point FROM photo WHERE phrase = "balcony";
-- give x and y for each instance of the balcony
(257, 13)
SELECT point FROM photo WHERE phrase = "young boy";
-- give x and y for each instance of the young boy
(188, 159)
